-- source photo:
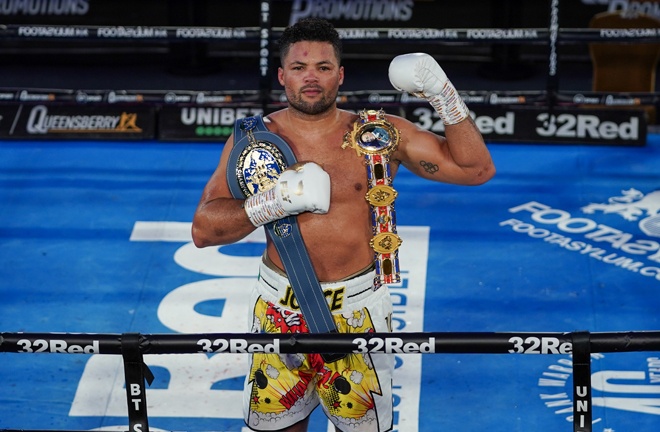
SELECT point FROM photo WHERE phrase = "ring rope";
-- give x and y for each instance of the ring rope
(239, 98)
(488, 35)
(553, 36)
(262, 36)
(132, 347)
(442, 342)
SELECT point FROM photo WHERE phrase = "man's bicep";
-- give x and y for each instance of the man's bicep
(217, 186)
(425, 154)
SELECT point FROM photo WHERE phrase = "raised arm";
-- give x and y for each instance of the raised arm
(461, 156)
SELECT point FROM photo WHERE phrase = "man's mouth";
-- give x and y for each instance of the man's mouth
(311, 90)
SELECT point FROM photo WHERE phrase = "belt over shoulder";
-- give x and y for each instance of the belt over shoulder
(259, 156)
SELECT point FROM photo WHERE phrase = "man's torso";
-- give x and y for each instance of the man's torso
(338, 242)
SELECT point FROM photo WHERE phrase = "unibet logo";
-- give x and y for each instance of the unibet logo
(215, 116)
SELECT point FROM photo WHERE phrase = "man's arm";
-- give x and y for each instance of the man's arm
(461, 157)
(221, 219)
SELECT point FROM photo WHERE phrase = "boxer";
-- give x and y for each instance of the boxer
(326, 196)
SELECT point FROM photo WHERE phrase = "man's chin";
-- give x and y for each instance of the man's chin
(312, 108)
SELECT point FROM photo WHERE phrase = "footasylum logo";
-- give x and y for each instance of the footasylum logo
(635, 249)
(632, 244)
(633, 205)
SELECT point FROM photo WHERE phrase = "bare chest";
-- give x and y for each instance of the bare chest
(346, 169)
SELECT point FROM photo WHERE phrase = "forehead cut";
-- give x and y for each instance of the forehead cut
(311, 53)
(310, 30)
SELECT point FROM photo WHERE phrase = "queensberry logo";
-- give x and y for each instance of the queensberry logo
(40, 121)
(587, 236)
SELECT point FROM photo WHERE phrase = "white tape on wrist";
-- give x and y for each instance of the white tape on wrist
(263, 208)
(449, 105)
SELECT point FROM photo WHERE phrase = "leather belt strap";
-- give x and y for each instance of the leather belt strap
(259, 157)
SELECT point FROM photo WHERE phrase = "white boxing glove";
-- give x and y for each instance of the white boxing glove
(300, 188)
(420, 75)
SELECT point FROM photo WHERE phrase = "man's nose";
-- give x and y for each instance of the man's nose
(311, 76)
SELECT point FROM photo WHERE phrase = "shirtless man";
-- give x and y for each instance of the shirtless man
(335, 221)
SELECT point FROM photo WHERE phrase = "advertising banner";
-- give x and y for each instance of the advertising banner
(569, 125)
(622, 126)
(7, 115)
(200, 123)
(344, 13)
(100, 122)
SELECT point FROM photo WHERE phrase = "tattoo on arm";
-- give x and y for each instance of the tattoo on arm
(429, 167)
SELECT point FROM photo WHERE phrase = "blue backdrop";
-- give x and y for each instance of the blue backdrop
(564, 238)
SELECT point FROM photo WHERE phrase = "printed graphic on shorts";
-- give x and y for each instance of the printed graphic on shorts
(229, 277)
(283, 385)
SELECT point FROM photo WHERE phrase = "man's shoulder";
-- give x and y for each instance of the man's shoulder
(273, 116)
(399, 122)
(273, 121)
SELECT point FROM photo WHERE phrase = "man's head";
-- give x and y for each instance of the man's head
(310, 30)
(310, 71)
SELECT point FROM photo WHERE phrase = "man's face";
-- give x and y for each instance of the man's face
(311, 77)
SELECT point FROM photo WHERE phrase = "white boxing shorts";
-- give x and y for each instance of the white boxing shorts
(355, 392)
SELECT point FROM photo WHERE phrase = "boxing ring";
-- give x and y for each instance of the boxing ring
(552, 114)
(490, 225)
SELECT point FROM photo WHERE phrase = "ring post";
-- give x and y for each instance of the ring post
(582, 407)
(265, 53)
(135, 373)
(552, 85)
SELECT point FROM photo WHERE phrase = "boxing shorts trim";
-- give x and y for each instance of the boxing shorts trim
(259, 157)
(339, 295)
(375, 138)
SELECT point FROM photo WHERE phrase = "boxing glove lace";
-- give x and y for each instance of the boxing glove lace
(300, 188)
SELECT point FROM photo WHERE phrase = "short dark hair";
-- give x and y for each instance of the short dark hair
(313, 30)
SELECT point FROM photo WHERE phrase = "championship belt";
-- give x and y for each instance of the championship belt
(376, 139)
(259, 157)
